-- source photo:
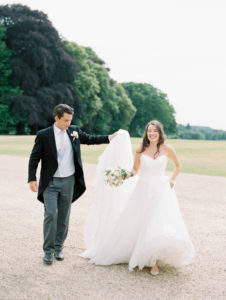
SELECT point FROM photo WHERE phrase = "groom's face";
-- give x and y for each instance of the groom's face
(64, 122)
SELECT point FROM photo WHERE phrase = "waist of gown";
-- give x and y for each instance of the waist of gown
(155, 178)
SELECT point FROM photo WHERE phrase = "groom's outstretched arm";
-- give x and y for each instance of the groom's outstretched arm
(33, 163)
(94, 139)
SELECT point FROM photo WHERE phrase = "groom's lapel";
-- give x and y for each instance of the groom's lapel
(73, 143)
(52, 142)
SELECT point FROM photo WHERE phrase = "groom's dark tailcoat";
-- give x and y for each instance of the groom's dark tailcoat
(45, 150)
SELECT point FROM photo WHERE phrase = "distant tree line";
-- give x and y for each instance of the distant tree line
(199, 133)
(39, 70)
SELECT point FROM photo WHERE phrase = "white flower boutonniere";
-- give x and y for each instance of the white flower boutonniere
(75, 135)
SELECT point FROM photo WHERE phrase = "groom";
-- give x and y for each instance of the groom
(61, 178)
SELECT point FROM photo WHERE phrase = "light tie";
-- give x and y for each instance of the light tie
(62, 143)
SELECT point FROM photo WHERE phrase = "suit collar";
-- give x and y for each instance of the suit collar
(52, 141)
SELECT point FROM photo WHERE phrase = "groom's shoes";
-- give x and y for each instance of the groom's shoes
(59, 255)
(48, 258)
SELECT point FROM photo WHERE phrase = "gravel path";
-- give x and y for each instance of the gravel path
(24, 276)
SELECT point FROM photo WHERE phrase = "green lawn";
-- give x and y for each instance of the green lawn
(199, 157)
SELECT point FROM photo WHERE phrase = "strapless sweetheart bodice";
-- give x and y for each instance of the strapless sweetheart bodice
(152, 167)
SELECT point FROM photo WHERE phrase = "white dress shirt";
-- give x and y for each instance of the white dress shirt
(66, 165)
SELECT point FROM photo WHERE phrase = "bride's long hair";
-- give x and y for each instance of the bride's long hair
(145, 141)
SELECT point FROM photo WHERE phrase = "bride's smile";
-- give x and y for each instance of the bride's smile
(153, 134)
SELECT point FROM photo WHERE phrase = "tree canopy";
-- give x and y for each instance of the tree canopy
(6, 119)
(105, 106)
(151, 104)
(40, 66)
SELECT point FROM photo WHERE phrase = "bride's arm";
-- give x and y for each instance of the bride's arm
(173, 156)
(136, 164)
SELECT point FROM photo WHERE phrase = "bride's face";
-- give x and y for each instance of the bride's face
(152, 133)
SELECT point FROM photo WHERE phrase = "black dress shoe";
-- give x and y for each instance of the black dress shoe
(48, 258)
(59, 255)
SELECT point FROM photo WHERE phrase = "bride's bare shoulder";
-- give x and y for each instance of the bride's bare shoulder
(168, 148)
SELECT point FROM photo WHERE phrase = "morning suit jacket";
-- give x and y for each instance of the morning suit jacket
(45, 150)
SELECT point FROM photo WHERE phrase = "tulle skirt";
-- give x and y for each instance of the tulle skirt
(137, 223)
(149, 228)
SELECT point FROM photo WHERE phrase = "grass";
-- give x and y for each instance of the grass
(198, 157)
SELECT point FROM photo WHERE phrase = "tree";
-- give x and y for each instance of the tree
(40, 67)
(6, 120)
(188, 126)
(150, 104)
(117, 109)
(126, 110)
(86, 85)
(6, 90)
(105, 106)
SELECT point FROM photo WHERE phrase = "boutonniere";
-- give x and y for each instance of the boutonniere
(74, 134)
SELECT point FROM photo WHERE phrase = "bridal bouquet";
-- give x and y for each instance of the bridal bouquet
(115, 177)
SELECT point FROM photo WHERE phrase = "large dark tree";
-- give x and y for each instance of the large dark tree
(6, 119)
(40, 67)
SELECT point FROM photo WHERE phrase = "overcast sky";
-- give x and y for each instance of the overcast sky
(179, 46)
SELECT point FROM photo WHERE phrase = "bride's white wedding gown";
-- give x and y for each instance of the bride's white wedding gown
(139, 222)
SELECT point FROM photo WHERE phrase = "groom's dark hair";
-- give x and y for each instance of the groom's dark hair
(60, 109)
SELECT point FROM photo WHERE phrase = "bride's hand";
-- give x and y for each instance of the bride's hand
(171, 182)
(130, 174)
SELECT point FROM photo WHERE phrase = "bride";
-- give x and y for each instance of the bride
(139, 222)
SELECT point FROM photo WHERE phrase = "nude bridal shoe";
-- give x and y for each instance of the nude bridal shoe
(154, 273)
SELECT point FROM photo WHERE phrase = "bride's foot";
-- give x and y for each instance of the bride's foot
(154, 270)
